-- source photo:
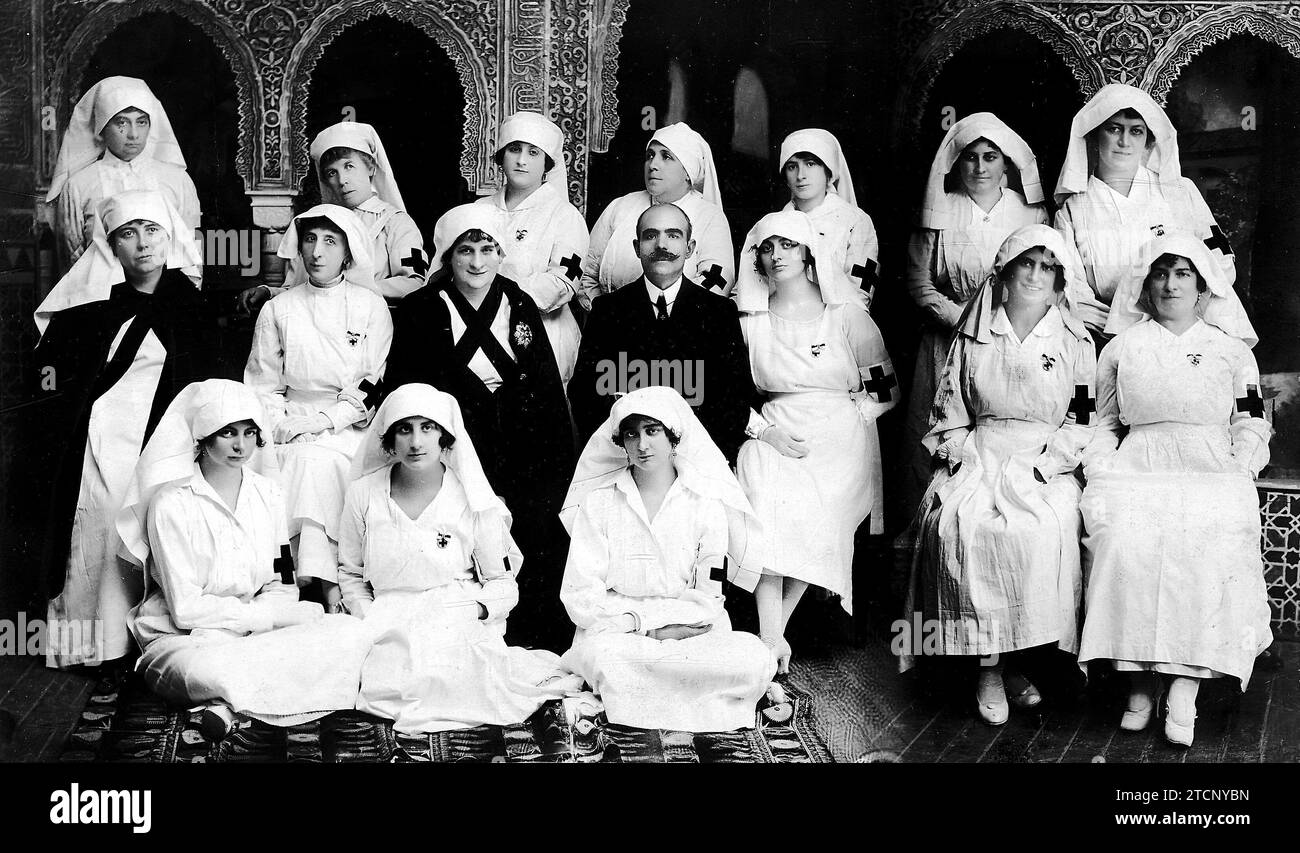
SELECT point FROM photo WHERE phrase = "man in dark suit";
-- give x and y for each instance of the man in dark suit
(663, 329)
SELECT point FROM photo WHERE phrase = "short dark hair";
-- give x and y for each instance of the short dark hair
(500, 156)
(388, 441)
(207, 440)
(338, 152)
(324, 223)
(637, 235)
(758, 261)
(473, 235)
(1132, 115)
(817, 161)
(1005, 275)
(952, 180)
(634, 420)
(114, 237)
(1167, 259)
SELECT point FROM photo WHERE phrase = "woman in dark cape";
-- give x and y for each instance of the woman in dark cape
(479, 337)
(122, 333)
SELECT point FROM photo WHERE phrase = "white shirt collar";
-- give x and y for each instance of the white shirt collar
(627, 485)
(669, 293)
(112, 161)
(977, 213)
(200, 486)
(1049, 325)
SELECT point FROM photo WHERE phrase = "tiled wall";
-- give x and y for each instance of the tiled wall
(1279, 503)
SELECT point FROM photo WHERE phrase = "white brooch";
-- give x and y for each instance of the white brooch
(523, 335)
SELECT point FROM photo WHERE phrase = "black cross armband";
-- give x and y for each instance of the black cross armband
(1082, 405)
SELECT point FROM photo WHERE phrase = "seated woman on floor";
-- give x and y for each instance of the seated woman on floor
(654, 512)
(218, 627)
(426, 558)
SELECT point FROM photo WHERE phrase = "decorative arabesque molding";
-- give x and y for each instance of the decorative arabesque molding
(555, 56)
(466, 30)
(1196, 35)
(1145, 44)
(71, 36)
(960, 23)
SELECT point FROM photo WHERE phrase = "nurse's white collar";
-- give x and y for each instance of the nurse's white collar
(977, 213)
(200, 486)
(374, 204)
(627, 485)
(1049, 325)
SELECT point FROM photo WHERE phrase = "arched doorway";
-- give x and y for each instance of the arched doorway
(410, 92)
(1237, 122)
(1011, 73)
(1237, 118)
(744, 76)
(196, 86)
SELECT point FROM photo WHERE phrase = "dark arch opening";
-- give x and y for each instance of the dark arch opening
(410, 92)
(1247, 174)
(196, 86)
(1012, 74)
(194, 82)
(1249, 178)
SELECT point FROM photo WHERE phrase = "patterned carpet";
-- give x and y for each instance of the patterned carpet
(124, 722)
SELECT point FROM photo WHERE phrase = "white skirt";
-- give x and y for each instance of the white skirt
(1174, 574)
(436, 666)
(997, 561)
(814, 505)
(708, 683)
(283, 677)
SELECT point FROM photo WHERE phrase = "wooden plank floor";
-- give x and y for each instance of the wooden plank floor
(38, 708)
(867, 712)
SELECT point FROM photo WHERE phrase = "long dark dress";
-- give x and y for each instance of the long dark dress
(522, 430)
(71, 371)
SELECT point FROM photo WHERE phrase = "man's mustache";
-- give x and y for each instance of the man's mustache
(662, 255)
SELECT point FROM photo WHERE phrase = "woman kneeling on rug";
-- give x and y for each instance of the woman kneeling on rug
(218, 627)
(426, 558)
(654, 512)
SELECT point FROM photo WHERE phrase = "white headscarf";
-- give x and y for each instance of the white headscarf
(359, 137)
(1110, 99)
(462, 218)
(752, 288)
(826, 147)
(977, 320)
(424, 401)
(700, 465)
(198, 411)
(537, 129)
(694, 153)
(1222, 309)
(359, 272)
(937, 209)
(93, 276)
(82, 144)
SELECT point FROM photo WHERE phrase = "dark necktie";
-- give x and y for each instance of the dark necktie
(661, 307)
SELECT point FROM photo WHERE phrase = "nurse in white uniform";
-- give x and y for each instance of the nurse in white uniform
(1135, 192)
(546, 235)
(319, 351)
